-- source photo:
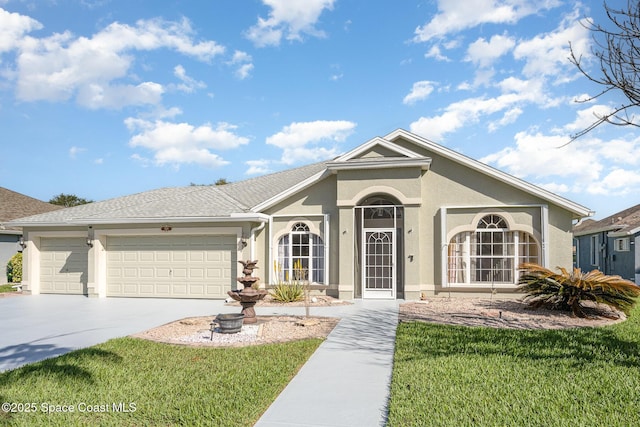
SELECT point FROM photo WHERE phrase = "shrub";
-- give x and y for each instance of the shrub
(566, 291)
(293, 290)
(14, 269)
(288, 292)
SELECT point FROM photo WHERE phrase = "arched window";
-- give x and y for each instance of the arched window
(300, 255)
(491, 254)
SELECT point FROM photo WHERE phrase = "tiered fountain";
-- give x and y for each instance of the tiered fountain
(248, 297)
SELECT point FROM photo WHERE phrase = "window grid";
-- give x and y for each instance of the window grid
(491, 254)
(300, 248)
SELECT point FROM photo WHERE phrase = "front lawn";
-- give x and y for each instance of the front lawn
(462, 376)
(131, 382)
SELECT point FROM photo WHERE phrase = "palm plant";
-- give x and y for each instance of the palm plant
(567, 291)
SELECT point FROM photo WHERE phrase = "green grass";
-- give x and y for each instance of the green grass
(7, 288)
(462, 376)
(169, 385)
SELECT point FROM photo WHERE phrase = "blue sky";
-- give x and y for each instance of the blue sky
(103, 98)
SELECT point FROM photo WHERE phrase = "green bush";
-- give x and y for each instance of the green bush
(14, 269)
(567, 291)
(288, 292)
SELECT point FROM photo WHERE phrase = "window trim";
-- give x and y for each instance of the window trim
(622, 244)
(316, 252)
(594, 250)
(461, 250)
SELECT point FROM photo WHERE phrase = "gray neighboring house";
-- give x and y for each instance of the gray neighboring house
(609, 245)
(12, 206)
(396, 217)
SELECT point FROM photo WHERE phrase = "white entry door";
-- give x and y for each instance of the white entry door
(379, 272)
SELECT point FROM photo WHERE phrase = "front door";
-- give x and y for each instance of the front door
(379, 271)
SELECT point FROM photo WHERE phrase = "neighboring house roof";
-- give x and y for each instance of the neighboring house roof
(15, 205)
(249, 198)
(621, 223)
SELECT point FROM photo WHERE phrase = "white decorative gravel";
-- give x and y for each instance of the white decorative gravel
(248, 333)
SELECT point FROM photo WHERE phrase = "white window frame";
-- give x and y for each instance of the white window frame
(621, 245)
(594, 250)
(300, 228)
(469, 238)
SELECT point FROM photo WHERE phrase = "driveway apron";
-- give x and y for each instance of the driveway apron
(36, 327)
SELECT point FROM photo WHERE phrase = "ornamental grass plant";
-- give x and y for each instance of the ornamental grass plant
(569, 291)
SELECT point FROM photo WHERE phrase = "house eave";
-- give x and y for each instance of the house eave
(79, 222)
(608, 229)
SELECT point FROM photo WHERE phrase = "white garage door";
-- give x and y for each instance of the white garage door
(170, 266)
(63, 265)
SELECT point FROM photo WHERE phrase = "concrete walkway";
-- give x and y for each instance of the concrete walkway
(346, 381)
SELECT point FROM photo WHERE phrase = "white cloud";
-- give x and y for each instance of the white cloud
(457, 15)
(435, 53)
(258, 167)
(74, 151)
(13, 27)
(471, 110)
(618, 182)
(588, 166)
(300, 141)
(63, 66)
(547, 54)
(509, 117)
(538, 155)
(188, 84)
(243, 62)
(419, 91)
(182, 143)
(96, 96)
(586, 117)
(483, 53)
(288, 19)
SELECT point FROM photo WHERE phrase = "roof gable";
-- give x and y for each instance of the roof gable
(578, 210)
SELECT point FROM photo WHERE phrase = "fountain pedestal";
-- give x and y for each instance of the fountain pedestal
(248, 296)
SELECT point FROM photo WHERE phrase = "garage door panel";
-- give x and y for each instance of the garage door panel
(170, 266)
(63, 265)
(196, 273)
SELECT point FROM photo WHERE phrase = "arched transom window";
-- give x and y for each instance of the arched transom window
(489, 255)
(300, 255)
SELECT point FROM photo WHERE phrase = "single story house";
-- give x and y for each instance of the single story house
(396, 217)
(609, 244)
(14, 205)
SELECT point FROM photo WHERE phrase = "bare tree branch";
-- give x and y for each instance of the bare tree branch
(617, 49)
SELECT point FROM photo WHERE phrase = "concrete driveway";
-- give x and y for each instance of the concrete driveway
(36, 327)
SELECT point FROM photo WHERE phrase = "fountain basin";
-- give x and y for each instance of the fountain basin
(228, 323)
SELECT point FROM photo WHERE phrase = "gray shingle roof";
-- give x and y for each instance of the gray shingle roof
(15, 205)
(622, 221)
(181, 202)
(254, 191)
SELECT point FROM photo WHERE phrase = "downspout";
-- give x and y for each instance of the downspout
(444, 249)
(327, 252)
(544, 213)
(254, 230)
